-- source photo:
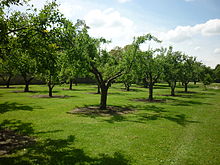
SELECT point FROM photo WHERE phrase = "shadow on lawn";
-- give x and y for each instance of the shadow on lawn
(22, 149)
(5, 107)
(153, 113)
(180, 102)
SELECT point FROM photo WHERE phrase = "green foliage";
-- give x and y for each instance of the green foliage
(7, 69)
(187, 66)
(172, 68)
(217, 73)
(149, 67)
(207, 75)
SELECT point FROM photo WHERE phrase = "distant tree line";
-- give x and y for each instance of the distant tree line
(45, 45)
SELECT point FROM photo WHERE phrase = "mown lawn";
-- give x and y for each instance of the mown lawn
(180, 130)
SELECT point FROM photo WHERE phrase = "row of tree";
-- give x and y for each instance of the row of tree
(46, 45)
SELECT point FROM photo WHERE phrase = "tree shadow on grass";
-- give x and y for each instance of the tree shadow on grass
(46, 92)
(22, 149)
(52, 97)
(180, 119)
(94, 111)
(7, 106)
(177, 102)
(152, 112)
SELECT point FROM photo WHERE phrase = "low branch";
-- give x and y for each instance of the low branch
(98, 75)
(109, 81)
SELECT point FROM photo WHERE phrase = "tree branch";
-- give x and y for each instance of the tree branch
(109, 81)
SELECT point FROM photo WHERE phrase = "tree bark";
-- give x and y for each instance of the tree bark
(98, 89)
(150, 84)
(186, 87)
(71, 84)
(172, 91)
(50, 91)
(27, 83)
(8, 82)
(26, 89)
(104, 93)
(173, 86)
(150, 98)
(127, 86)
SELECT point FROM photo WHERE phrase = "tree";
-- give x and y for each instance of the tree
(187, 66)
(70, 71)
(172, 68)
(45, 43)
(105, 66)
(206, 75)
(127, 78)
(150, 68)
(26, 66)
(24, 61)
(196, 71)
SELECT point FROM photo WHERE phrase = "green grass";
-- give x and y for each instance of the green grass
(183, 130)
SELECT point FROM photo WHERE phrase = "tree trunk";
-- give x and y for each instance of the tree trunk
(50, 91)
(150, 98)
(98, 89)
(8, 82)
(26, 89)
(104, 93)
(186, 87)
(173, 88)
(194, 82)
(71, 84)
(172, 91)
(127, 86)
(27, 83)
